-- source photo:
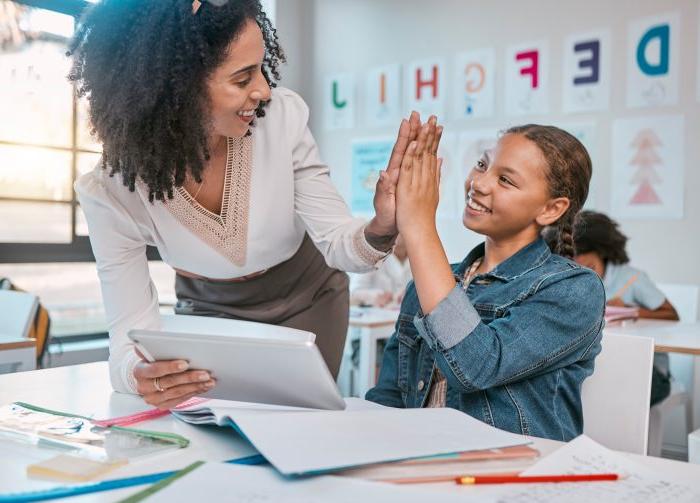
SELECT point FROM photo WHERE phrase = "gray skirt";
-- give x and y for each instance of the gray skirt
(302, 292)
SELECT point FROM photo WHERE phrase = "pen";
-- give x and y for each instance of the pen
(509, 479)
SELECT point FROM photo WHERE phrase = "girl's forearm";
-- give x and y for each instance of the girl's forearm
(431, 270)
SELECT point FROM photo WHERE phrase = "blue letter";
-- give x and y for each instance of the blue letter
(593, 63)
(661, 32)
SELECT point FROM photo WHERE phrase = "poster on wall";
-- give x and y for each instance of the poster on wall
(339, 101)
(585, 132)
(471, 145)
(474, 84)
(383, 96)
(653, 64)
(527, 79)
(586, 85)
(424, 82)
(369, 157)
(647, 168)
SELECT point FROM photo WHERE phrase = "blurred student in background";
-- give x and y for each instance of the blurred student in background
(385, 286)
(601, 246)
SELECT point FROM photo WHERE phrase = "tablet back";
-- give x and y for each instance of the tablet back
(250, 369)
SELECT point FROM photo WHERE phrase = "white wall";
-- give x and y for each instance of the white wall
(354, 35)
(331, 36)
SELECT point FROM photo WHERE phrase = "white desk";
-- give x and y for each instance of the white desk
(368, 326)
(670, 337)
(85, 389)
(17, 355)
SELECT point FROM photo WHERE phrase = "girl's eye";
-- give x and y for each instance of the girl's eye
(505, 179)
(480, 166)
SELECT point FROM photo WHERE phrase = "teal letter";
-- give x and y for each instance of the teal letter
(336, 103)
(661, 32)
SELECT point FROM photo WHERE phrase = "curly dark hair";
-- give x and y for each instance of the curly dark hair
(597, 232)
(143, 65)
(569, 171)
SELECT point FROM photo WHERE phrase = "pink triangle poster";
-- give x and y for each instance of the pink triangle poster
(648, 168)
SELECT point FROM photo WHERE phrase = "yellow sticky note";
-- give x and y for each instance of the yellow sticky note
(72, 468)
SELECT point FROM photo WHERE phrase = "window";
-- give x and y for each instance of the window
(45, 144)
(44, 135)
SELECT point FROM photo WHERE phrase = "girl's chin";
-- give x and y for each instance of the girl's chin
(472, 224)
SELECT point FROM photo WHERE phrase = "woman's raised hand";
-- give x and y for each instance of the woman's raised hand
(418, 188)
(384, 223)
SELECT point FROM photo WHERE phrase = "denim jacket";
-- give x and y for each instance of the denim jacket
(515, 344)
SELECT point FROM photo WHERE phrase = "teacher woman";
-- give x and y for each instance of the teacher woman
(210, 162)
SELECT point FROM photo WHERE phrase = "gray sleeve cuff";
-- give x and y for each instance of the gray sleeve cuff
(450, 322)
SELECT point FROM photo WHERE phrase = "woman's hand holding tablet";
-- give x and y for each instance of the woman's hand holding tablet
(167, 383)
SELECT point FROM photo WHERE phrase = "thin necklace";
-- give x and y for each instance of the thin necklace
(199, 189)
(203, 180)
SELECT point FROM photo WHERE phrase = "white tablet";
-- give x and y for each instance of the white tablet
(285, 369)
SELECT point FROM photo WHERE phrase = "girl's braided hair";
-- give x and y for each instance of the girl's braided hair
(569, 171)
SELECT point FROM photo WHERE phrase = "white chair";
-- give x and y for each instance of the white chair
(616, 397)
(685, 299)
(17, 311)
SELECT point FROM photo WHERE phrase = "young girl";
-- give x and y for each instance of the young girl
(508, 335)
(601, 246)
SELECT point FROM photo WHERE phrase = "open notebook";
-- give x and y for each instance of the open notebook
(299, 441)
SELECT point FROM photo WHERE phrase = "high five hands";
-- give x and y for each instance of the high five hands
(384, 223)
(413, 141)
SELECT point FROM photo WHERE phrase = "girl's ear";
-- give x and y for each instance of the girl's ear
(552, 211)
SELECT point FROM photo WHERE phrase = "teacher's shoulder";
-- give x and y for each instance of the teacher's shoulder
(288, 110)
(98, 187)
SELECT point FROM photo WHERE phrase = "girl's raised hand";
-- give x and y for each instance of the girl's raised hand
(418, 189)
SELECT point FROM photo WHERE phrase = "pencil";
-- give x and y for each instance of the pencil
(624, 288)
(508, 479)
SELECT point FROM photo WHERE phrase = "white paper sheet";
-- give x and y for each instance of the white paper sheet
(647, 180)
(221, 411)
(474, 84)
(383, 96)
(339, 101)
(302, 443)
(527, 79)
(653, 60)
(425, 87)
(245, 484)
(583, 455)
(587, 72)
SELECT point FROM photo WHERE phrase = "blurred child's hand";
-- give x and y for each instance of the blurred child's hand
(616, 301)
(418, 189)
(383, 299)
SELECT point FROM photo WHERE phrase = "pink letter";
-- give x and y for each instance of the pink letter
(531, 70)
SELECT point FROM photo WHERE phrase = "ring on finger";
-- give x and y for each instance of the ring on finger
(157, 386)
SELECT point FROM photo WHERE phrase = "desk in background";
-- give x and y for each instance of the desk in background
(368, 326)
(17, 355)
